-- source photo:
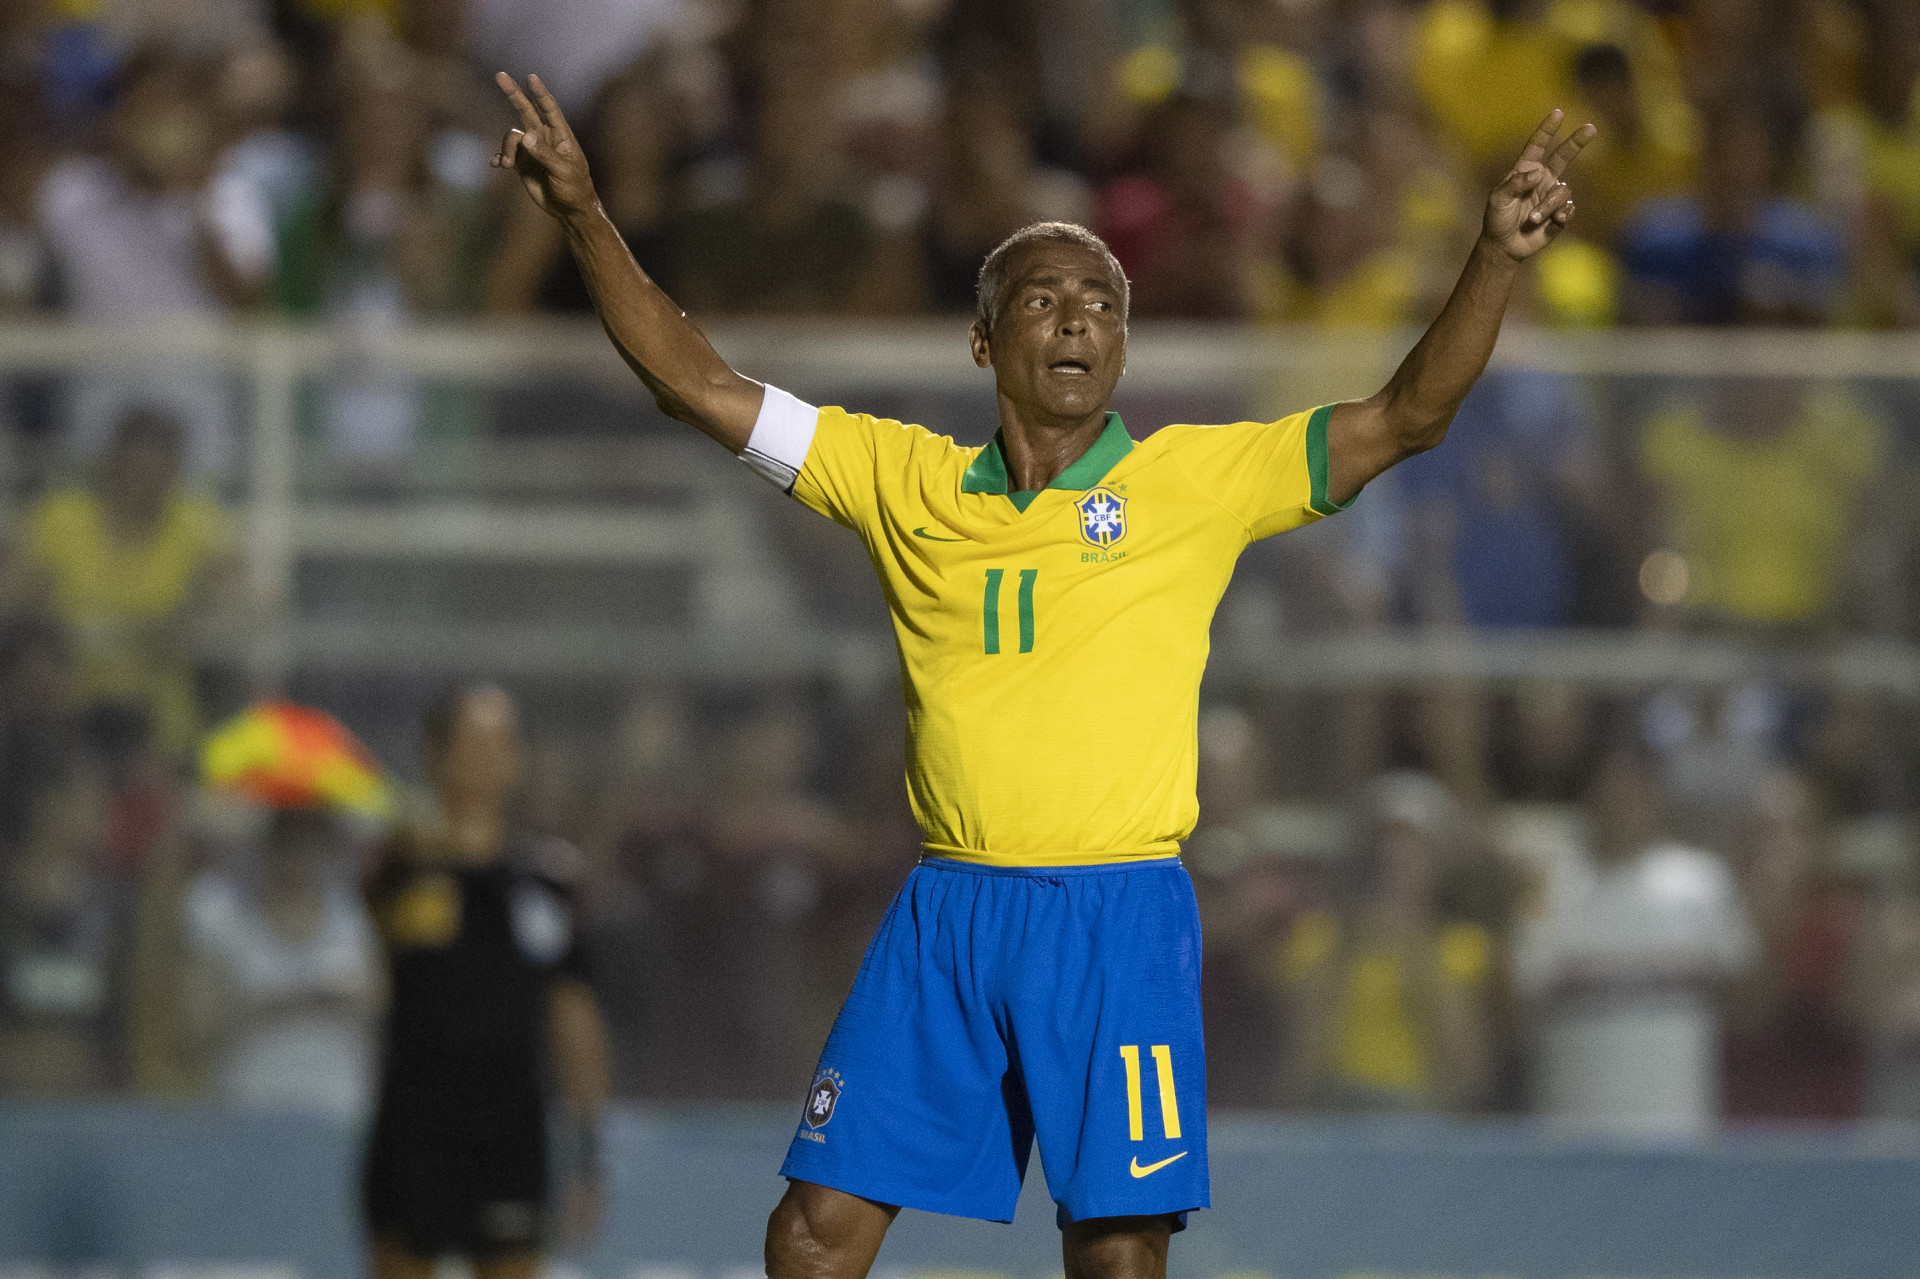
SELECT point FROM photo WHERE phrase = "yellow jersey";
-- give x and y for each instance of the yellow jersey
(1381, 1000)
(1764, 522)
(113, 596)
(1051, 643)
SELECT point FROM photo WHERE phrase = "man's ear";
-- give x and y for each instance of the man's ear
(977, 339)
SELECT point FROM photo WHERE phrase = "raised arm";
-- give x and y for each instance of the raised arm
(1411, 413)
(689, 380)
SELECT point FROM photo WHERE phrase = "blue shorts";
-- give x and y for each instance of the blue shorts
(1000, 1003)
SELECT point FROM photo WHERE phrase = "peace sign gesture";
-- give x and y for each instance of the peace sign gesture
(1531, 207)
(544, 152)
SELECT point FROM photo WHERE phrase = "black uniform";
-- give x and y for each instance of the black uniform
(458, 1158)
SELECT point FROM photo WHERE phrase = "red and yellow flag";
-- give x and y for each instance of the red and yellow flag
(292, 756)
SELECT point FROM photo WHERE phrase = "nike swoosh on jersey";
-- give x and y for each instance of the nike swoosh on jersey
(1150, 1169)
(922, 532)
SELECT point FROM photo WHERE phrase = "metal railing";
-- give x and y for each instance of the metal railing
(706, 516)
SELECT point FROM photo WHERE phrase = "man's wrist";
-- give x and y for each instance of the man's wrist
(1493, 254)
(583, 221)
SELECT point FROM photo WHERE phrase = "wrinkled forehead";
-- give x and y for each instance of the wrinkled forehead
(1056, 262)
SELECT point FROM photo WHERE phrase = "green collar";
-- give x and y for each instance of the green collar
(988, 474)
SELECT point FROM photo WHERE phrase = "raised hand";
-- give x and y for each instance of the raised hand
(1532, 206)
(544, 152)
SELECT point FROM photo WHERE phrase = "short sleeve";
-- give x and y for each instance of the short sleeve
(558, 867)
(1271, 476)
(1846, 438)
(41, 534)
(55, 533)
(209, 529)
(549, 920)
(241, 220)
(841, 476)
(823, 457)
(1705, 898)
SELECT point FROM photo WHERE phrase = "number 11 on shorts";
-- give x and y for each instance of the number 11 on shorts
(1169, 1104)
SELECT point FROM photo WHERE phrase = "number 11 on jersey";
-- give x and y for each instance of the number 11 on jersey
(990, 609)
(1169, 1103)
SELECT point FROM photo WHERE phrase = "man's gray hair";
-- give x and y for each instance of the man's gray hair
(993, 272)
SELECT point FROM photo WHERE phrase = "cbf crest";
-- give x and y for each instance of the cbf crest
(824, 1098)
(1103, 517)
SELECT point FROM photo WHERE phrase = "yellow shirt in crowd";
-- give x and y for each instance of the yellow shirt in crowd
(1763, 522)
(114, 595)
(1488, 83)
(1382, 1040)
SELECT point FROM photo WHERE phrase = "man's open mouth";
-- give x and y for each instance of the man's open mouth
(1070, 366)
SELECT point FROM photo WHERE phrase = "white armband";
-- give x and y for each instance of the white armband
(782, 434)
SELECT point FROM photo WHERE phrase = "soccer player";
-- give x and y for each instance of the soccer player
(488, 995)
(1038, 974)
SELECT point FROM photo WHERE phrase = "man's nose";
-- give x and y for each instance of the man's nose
(1073, 323)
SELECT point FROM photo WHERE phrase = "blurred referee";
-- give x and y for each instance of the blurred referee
(489, 1003)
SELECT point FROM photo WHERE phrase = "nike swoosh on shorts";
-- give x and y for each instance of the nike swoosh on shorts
(1150, 1169)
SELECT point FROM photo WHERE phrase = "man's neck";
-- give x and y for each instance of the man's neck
(1039, 450)
(132, 522)
(473, 827)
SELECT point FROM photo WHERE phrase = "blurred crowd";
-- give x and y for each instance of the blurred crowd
(1647, 911)
(1306, 162)
(1318, 161)
(1645, 933)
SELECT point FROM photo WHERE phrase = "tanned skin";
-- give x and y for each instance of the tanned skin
(1057, 349)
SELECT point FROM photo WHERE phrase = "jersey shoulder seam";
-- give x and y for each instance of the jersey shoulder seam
(1173, 455)
(913, 459)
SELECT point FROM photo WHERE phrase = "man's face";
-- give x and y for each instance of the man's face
(1059, 344)
(1612, 97)
(483, 754)
(1738, 170)
(139, 474)
(162, 134)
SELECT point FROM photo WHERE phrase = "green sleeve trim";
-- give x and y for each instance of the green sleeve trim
(1317, 465)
